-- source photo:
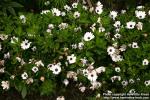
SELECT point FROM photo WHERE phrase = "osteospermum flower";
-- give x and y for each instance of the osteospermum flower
(147, 83)
(71, 59)
(76, 14)
(56, 12)
(98, 10)
(113, 14)
(63, 26)
(74, 5)
(24, 75)
(5, 85)
(145, 62)
(92, 76)
(80, 45)
(88, 36)
(67, 8)
(115, 78)
(117, 24)
(45, 11)
(124, 83)
(25, 44)
(135, 45)
(139, 25)
(60, 98)
(66, 82)
(56, 69)
(100, 69)
(23, 18)
(130, 25)
(35, 69)
(140, 14)
(111, 50)
(117, 69)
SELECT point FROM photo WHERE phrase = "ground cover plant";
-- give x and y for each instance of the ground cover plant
(88, 50)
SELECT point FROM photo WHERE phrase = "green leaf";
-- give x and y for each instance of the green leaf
(15, 4)
(24, 92)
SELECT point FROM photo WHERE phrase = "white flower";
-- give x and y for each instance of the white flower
(130, 25)
(35, 69)
(132, 91)
(116, 57)
(124, 83)
(135, 45)
(23, 18)
(2, 70)
(84, 61)
(88, 36)
(117, 24)
(117, 69)
(56, 12)
(47, 3)
(71, 59)
(7, 55)
(34, 48)
(74, 5)
(50, 26)
(147, 83)
(82, 88)
(63, 14)
(3, 37)
(85, 7)
(39, 63)
(74, 46)
(139, 25)
(140, 14)
(24, 75)
(56, 69)
(45, 11)
(117, 36)
(67, 8)
(25, 44)
(145, 62)
(123, 11)
(95, 85)
(113, 14)
(131, 81)
(115, 78)
(63, 26)
(98, 10)
(100, 69)
(101, 29)
(60, 98)
(66, 82)
(14, 39)
(149, 12)
(99, 4)
(5, 85)
(80, 45)
(111, 50)
(139, 7)
(76, 14)
(92, 76)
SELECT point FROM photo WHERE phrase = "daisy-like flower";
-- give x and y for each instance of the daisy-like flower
(56, 69)
(2, 70)
(101, 29)
(76, 14)
(46, 3)
(123, 11)
(116, 57)
(132, 91)
(7, 55)
(74, 5)
(71, 59)
(92, 76)
(139, 25)
(117, 36)
(98, 10)
(117, 69)
(56, 12)
(60, 98)
(111, 50)
(45, 11)
(82, 88)
(130, 25)
(88, 36)
(67, 8)
(23, 18)
(5, 85)
(113, 14)
(29, 81)
(140, 14)
(115, 78)
(147, 83)
(149, 12)
(25, 44)
(63, 14)
(35, 69)
(124, 83)
(131, 81)
(117, 24)
(145, 62)
(14, 39)
(50, 26)
(135, 45)
(95, 85)
(39, 63)
(66, 82)
(139, 7)
(24, 75)
(80, 45)
(100, 69)
(63, 26)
